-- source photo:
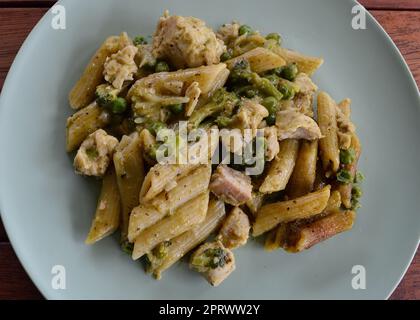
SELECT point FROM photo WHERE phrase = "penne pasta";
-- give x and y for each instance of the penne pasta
(183, 243)
(184, 218)
(160, 177)
(306, 64)
(328, 145)
(334, 202)
(142, 217)
(83, 92)
(344, 106)
(304, 236)
(303, 177)
(255, 203)
(260, 60)
(345, 189)
(83, 123)
(186, 189)
(271, 215)
(281, 167)
(276, 237)
(129, 168)
(107, 216)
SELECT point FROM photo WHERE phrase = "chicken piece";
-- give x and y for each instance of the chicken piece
(230, 185)
(305, 83)
(272, 143)
(186, 42)
(144, 56)
(292, 124)
(228, 32)
(214, 261)
(193, 93)
(235, 229)
(250, 115)
(232, 140)
(120, 66)
(95, 154)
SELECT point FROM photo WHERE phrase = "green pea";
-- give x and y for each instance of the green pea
(244, 29)
(290, 72)
(273, 36)
(356, 192)
(347, 156)
(271, 119)
(271, 104)
(161, 66)
(287, 91)
(344, 176)
(139, 40)
(119, 105)
(273, 79)
(176, 108)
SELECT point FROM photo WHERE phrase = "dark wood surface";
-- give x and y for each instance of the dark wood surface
(401, 19)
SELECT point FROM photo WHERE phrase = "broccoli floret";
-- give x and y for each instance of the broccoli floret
(221, 102)
(161, 250)
(139, 40)
(127, 247)
(107, 97)
(211, 258)
(154, 126)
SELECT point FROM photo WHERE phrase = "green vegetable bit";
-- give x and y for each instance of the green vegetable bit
(139, 40)
(226, 55)
(154, 126)
(271, 119)
(211, 258)
(176, 108)
(245, 29)
(347, 156)
(287, 91)
(223, 121)
(161, 250)
(274, 36)
(161, 66)
(359, 177)
(355, 204)
(119, 105)
(356, 192)
(271, 104)
(92, 153)
(127, 247)
(273, 79)
(289, 72)
(105, 95)
(344, 176)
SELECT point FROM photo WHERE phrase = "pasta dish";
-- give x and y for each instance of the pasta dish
(205, 138)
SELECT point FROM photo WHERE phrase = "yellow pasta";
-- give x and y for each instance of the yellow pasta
(107, 216)
(306, 64)
(184, 218)
(281, 167)
(129, 169)
(83, 123)
(270, 215)
(276, 237)
(344, 106)
(192, 238)
(328, 145)
(83, 92)
(303, 177)
(186, 189)
(142, 217)
(260, 60)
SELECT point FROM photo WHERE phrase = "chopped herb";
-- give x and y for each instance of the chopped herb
(344, 176)
(347, 156)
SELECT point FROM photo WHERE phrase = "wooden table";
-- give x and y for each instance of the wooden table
(400, 18)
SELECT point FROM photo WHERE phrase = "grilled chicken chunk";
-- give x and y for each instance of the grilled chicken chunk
(235, 229)
(292, 124)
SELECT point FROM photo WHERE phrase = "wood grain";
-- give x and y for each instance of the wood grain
(15, 25)
(391, 4)
(17, 21)
(14, 282)
(404, 29)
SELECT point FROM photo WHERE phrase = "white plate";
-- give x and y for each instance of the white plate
(47, 209)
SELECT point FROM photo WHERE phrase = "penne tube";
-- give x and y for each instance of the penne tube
(142, 217)
(184, 218)
(129, 168)
(83, 123)
(83, 92)
(345, 189)
(255, 203)
(281, 167)
(107, 216)
(328, 145)
(187, 241)
(186, 189)
(160, 176)
(276, 237)
(259, 59)
(306, 64)
(303, 177)
(301, 237)
(334, 202)
(271, 215)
